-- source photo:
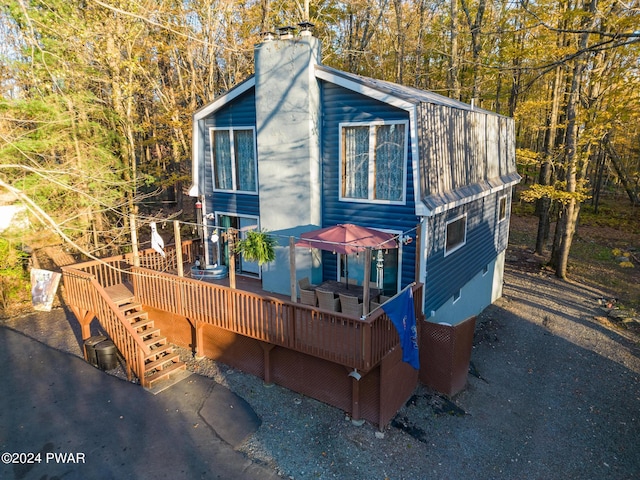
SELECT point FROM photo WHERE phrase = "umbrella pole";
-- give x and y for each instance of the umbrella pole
(365, 283)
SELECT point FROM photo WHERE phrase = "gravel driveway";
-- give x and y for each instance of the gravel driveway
(553, 393)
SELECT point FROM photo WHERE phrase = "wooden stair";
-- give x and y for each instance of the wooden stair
(162, 363)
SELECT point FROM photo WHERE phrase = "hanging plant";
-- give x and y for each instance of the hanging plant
(257, 246)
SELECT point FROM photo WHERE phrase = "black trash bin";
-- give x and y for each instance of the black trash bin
(107, 355)
(90, 348)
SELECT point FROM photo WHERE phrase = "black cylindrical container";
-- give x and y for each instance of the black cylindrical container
(90, 348)
(107, 355)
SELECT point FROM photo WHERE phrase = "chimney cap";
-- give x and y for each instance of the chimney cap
(305, 28)
(267, 36)
(306, 25)
(286, 30)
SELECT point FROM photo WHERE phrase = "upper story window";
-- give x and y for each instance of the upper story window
(234, 159)
(373, 162)
(455, 235)
(502, 208)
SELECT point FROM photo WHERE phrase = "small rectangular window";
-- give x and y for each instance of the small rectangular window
(455, 235)
(457, 295)
(502, 208)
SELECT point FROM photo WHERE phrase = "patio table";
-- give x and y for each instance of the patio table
(354, 290)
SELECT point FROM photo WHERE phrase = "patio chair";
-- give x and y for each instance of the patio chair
(350, 305)
(305, 284)
(327, 301)
(352, 281)
(308, 297)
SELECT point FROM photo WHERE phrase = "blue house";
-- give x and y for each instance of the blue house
(300, 145)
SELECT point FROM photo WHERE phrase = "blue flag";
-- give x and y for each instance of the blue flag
(401, 312)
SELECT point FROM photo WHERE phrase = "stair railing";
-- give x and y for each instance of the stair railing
(83, 292)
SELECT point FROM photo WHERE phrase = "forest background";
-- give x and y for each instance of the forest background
(97, 97)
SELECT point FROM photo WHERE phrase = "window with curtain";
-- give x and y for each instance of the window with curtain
(234, 159)
(373, 162)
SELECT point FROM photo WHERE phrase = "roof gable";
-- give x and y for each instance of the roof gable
(225, 98)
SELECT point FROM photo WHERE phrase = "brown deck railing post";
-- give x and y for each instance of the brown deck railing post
(134, 240)
(292, 269)
(178, 247)
(366, 346)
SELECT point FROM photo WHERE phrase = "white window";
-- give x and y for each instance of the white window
(455, 234)
(373, 162)
(502, 208)
(457, 295)
(234, 159)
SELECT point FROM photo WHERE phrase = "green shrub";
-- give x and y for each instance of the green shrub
(13, 277)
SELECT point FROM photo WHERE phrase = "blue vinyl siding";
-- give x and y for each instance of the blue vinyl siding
(485, 239)
(342, 105)
(239, 113)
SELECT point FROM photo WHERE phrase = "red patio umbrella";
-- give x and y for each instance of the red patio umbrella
(347, 238)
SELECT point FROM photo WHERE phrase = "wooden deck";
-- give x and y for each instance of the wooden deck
(98, 289)
(247, 284)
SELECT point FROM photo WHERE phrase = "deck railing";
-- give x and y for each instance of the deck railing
(84, 293)
(115, 270)
(355, 343)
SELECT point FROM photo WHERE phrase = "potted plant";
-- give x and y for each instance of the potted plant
(257, 246)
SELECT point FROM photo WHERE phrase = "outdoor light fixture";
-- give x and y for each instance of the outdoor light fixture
(214, 236)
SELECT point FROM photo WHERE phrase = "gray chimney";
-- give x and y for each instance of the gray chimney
(288, 130)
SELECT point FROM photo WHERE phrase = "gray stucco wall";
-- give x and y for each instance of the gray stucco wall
(288, 131)
(288, 137)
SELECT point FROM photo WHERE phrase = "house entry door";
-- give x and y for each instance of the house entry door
(384, 270)
(242, 224)
(248, 267)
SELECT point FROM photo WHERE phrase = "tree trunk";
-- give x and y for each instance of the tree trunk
(571, 207)
(454, 60)
(599, 173)
(621, 171)
(543, 206)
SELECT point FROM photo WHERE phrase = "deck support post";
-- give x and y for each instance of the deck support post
(355, 398)
(199, 347)
(84, 318)
(266, 350)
